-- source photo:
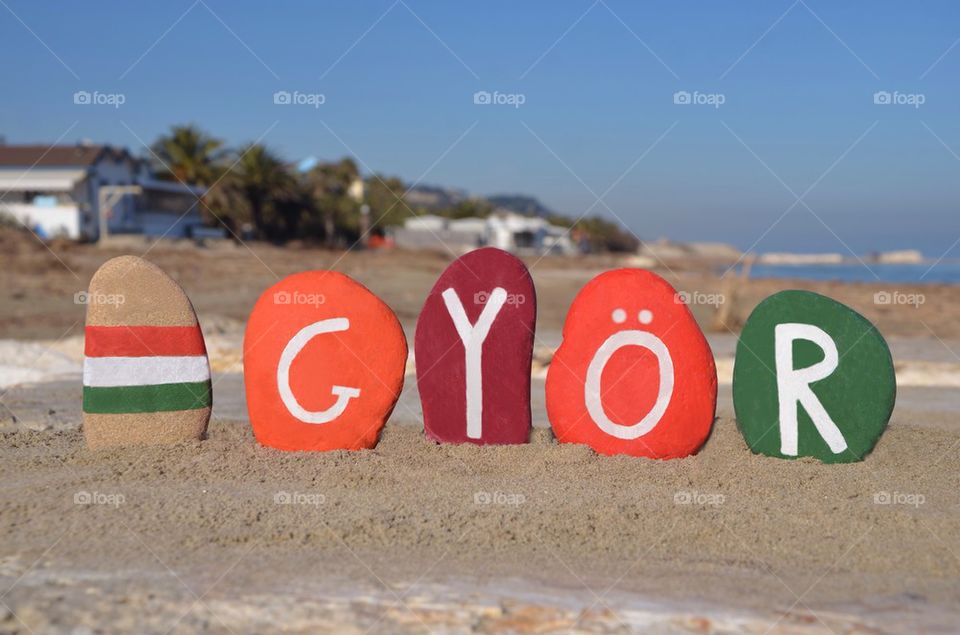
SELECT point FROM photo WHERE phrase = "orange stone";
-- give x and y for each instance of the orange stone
(323, 363)
(634, 374)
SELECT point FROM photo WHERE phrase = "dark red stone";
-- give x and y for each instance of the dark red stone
(505, 354)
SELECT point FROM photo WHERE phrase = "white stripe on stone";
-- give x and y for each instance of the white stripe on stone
(144, 371)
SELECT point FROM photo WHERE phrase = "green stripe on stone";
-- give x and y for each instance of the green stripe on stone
(156, 398)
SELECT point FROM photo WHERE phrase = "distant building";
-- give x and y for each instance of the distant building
(901, 257)
(530, 234)
(55, 191)
(503, 229)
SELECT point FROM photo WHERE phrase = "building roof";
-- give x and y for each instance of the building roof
(80, 155)
(517, 222)
(43, 180)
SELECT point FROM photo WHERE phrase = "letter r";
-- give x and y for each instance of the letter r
(793, 386)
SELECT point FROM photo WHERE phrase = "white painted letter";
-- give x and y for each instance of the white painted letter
(290, 352)
(473, 336)
(793, 386)
(592, 386)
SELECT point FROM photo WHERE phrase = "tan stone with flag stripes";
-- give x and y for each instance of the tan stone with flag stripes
(146, 377)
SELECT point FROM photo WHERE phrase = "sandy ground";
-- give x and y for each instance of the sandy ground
(225, 536)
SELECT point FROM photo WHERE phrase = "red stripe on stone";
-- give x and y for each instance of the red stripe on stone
(143, 341)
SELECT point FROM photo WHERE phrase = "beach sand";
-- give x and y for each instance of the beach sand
(224, 536)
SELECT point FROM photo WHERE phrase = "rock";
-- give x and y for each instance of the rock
(812, 378)
(634, 374)
(323, 362)
(474, 346)
(146, 377)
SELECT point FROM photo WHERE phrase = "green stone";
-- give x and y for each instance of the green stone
(851, 403)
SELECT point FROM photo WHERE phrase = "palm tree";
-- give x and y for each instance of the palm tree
(263, 181)
(385, 196)
(190, 155)
(329, 183)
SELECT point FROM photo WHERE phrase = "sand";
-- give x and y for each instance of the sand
(464, 537)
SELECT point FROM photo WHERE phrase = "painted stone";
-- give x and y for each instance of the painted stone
(323, 362)
(474, 348)
(634, 374)
(812, 378)
(146, 376)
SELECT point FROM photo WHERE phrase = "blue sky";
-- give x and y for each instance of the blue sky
(598, 118)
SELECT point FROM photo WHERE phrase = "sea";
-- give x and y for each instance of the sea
(943, 272)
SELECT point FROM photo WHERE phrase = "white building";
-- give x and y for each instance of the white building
(504, 229)
(55, 191)
(527, 234)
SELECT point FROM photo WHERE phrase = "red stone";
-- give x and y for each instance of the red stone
(344, 351)
(492, 283)
(635, 321)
